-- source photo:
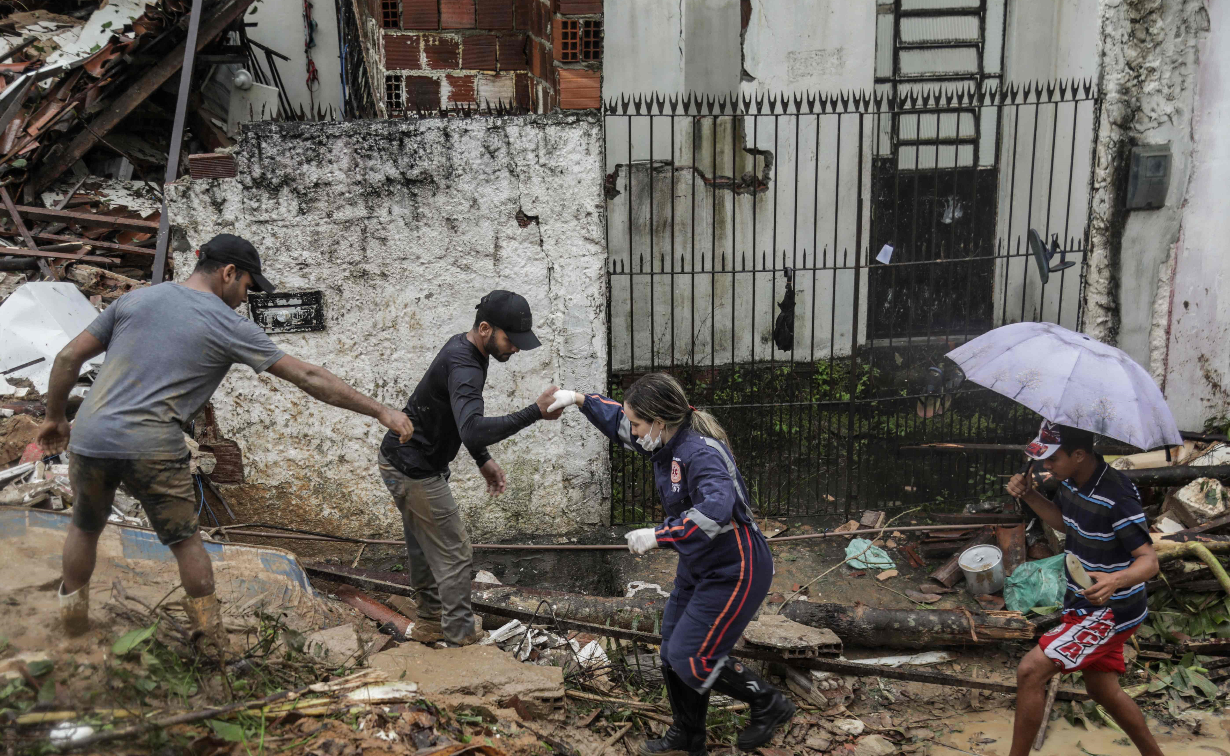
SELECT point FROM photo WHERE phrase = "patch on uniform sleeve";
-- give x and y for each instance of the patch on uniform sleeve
(676, 471)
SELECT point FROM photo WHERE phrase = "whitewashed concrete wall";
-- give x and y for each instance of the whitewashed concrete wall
(1044, 156)
(404, 225)
(681, 176)
(1193, 357)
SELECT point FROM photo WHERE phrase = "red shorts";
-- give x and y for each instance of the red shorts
(1087, 642)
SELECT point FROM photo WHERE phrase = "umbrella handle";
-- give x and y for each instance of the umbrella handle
(1029, 466)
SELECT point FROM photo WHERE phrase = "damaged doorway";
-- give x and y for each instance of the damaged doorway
(935, 173)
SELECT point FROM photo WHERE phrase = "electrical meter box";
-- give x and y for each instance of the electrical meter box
(1148, 177)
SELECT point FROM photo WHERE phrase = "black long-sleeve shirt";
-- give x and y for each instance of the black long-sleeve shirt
(447, 410)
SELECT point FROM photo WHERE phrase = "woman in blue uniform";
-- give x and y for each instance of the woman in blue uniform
(724, 563)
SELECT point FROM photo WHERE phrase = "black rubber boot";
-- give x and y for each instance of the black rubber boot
(687, 735)
(770, 709)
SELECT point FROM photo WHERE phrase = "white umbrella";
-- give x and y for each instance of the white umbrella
(1071, 379)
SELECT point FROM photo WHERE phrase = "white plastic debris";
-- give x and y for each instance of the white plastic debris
(851, 727)
(592, 655)
(398, 692)
(636, 586)
(503, 633)
(917, 660)
(69, 732)
(36, 321)
(484, 576)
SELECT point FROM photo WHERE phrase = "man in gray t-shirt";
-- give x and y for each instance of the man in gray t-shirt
(168, 348)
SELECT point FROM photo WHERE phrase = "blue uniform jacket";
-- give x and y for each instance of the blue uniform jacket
(701, 489)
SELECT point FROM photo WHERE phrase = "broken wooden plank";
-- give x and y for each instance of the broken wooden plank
(43, 265)
(110, 286)
(950, 574)
(126, 248)
(153, 78)
(1011, 540)
(57, 255)
(89, 220)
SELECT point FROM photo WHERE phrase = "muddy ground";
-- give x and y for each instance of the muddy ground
(461, 713)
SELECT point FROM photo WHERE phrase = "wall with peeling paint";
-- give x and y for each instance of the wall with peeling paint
(1191, 348)
(404, 225)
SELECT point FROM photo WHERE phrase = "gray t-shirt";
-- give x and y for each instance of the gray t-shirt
(168, 348)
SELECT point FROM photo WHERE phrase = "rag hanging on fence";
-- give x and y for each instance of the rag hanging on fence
(783, 329)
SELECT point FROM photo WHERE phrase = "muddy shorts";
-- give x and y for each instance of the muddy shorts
(1087, 642)
(163, 486)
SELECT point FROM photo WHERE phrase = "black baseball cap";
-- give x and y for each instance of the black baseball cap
(237, 251)
(510, 313)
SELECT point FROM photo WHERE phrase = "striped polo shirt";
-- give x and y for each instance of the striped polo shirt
(1105, 524)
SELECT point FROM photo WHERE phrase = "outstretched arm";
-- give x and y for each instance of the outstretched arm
(319, 383)
(465, 390)
(53, 433)
(608, 416)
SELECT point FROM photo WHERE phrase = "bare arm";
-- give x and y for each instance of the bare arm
(1144, 566)
(319, 383)
(1022, 487)
(53, 433)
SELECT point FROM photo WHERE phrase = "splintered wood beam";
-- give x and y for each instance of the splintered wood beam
(89, 220)
(126, 248)
(18, 251)
(153, 78)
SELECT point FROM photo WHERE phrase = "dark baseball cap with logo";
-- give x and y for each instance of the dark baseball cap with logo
(510, 313)
(237, 251)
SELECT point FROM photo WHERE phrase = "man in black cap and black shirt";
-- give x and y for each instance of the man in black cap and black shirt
(168, 347)
(447, 411)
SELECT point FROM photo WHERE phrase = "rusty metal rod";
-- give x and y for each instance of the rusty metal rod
(563, 546)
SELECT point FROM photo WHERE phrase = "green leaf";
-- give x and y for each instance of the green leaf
(1205, 685)
(148, 660)
(18, 163)
(107, 25)
(227, 730)
(40, 667)
(130, 640)
(47, 693)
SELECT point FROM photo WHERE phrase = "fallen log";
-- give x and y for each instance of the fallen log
(870, 627)
(1178, 475)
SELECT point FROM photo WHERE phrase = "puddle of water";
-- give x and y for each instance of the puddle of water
(977, 728)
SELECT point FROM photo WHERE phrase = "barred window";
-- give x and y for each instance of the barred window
(390, 11)
(394, 94)
(569, 40)
(591, 40)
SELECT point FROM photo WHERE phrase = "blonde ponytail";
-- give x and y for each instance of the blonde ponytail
(658, 396)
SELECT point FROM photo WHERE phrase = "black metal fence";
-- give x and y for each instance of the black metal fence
(744, 236)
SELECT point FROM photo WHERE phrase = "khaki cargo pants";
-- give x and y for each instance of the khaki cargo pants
(437, 548)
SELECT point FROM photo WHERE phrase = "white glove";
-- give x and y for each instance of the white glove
(563, 398)
(642, 540)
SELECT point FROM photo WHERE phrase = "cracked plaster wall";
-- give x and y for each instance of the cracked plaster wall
(1148, 55)
(404, 225)
(1190, 335)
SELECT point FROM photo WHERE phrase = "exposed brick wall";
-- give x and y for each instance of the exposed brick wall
(464, 52)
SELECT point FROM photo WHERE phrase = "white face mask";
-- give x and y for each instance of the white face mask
(649, 442)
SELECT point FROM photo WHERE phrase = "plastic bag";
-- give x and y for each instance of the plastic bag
(1039, 583)
(869, 557)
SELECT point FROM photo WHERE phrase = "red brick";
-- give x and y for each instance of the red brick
(493, 14)
(456, 14)
(460, 88)
(579, 89)
(523, 91)
(513, 54)
(545, 62)
(422, 93)
(478, 53)
(579, 7)
(496, 88)
(442, 53)
(420, 14)
(401, 52)
(523, 15)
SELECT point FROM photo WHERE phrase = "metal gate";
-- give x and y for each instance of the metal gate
(744, 235)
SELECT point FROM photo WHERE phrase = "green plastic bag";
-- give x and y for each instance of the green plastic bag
(1040, 583)
(863, 556)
